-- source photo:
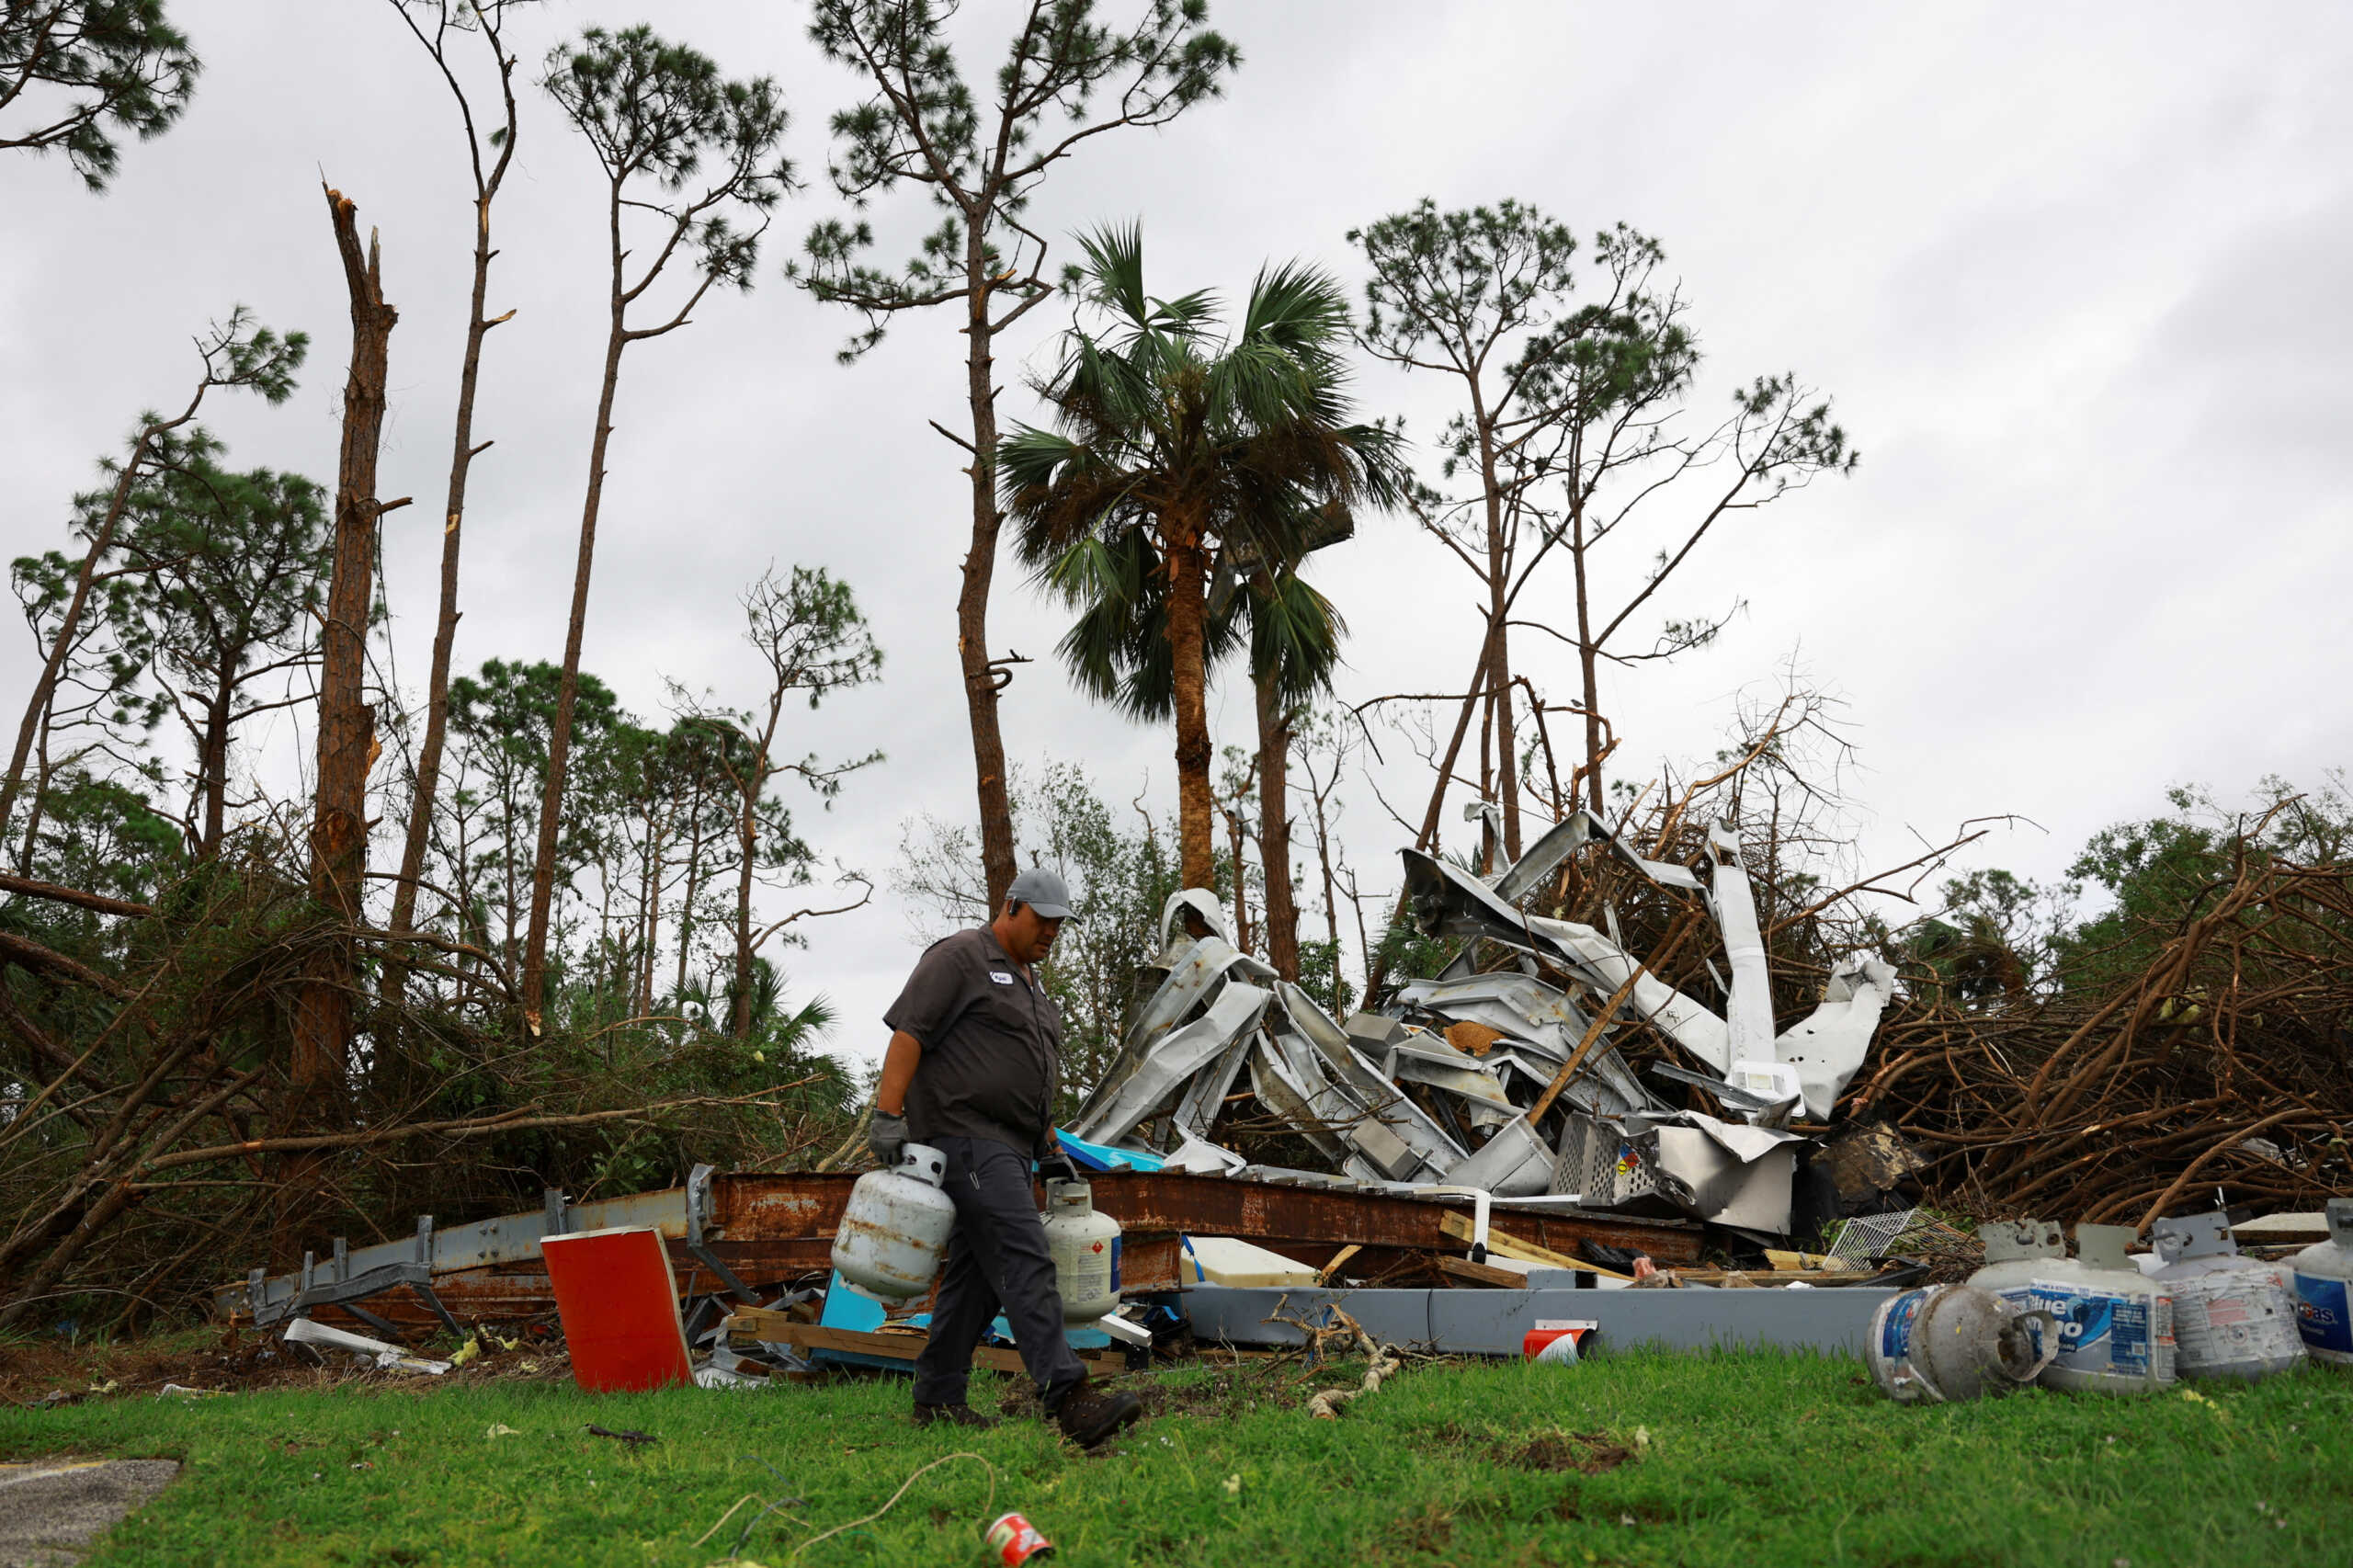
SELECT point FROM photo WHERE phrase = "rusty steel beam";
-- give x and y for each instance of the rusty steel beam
(1315, 1220)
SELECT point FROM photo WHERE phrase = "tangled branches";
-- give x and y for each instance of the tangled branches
(154, 1137)
(2220, 1066)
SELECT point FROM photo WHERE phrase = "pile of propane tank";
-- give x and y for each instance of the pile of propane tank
(2100, 1322)
(894, 1235)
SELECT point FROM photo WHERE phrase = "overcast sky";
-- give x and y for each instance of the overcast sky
(2074, 274)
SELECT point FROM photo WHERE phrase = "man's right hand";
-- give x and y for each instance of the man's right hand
(886, 1135)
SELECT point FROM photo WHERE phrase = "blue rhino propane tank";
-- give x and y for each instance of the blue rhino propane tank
(2320, 1274)
(1944, 1343)
(2233, 1316)
(2115, 1327)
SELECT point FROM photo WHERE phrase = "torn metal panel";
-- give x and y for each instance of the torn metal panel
(1449, 1070)
(1714, 1170)
(1196, 1156)
(1236, 1009)
(1544, 856)
(1436, 1152)
(1604, 965)
(1828, 1046)
(1204, 906)
(1712, 1185)
(1205, 1096)
(1280, 1091)
(1731, 1096)
(1450, 903)
(1748, 1007)
(1564, 838)
(1721, 1171)
(1194, 977)
(1515, 1162)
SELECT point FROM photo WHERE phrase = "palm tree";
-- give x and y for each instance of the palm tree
(1208, 448)
(1294, 647)
(1118, 651)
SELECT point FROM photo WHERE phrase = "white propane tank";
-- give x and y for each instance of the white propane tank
(2320, 1274)
(2115, 1324)
(1084, 1247)
(1944, 1343)
(894, 1228)
(2233, 1316)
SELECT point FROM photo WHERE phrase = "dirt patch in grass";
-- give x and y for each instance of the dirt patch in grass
(1428, 1528)
(1225, 1390)
(1588, 1453)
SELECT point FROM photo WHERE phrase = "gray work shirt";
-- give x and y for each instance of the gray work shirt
(992, 1045)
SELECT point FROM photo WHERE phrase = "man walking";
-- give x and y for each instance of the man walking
(974, 1062)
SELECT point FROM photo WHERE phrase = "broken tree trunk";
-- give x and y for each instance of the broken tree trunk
(322, 1013)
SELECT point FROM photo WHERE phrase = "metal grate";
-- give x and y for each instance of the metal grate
(1872, 1236)
(1611, 1169)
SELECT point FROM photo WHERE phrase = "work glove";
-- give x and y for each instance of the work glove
(1055, 1165)
(886, 1135)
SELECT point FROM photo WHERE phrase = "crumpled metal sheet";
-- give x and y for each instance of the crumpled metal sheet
(1180, 1054)
(1532, 1015)
(1827, 1046)
(1195, 975)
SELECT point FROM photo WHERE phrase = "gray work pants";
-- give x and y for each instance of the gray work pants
(996, 1258)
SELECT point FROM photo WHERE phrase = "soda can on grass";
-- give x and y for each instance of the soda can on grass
(1014, 1541)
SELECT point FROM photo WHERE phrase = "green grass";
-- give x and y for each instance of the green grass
(1750, 1460)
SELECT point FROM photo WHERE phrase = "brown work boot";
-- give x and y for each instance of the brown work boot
(959, 1415)
(1088, 1415)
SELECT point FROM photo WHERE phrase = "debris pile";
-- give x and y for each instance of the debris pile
(1504, 1072)
(2203, 1050)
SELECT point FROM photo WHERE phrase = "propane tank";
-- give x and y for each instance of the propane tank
(1947, 1343)
(1084, 1247)
(2233, 1316)
(894, 1228)
(2320, 1274)
(2115, 1324)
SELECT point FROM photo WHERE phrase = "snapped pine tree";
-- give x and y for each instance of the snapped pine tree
(653, 112)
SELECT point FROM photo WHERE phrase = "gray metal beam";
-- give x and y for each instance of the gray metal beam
(1493, 1322)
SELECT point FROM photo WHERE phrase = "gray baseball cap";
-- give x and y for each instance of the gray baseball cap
(1043, 892)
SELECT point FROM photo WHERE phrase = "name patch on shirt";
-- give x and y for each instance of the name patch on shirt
(1000, 977)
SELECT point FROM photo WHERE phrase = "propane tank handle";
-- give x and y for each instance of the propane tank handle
(2046, 1340)
(924, 1162)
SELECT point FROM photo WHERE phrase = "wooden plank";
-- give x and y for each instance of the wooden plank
(1333, 1267)
(1794, 1262)
(1459, 1227)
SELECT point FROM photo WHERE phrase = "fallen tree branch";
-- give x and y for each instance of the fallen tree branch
(467, 1127)
(31, 887)
(26, 953)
